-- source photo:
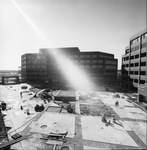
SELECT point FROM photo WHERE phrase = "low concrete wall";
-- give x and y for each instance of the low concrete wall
(142, 93)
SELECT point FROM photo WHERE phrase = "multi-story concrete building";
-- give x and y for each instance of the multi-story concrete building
(33, 67)
(100, 67)
(134, 61)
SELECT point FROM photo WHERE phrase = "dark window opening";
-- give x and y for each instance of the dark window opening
(127, 51)
(137, 56)
(132, 57)
(142, 81)
(142, 73)
(135, 80)
(131, 65)
(131, 80)
(131, 72)
(143, 55)
(123, 66)
(136, 64)
(127, 58)
(143, 64)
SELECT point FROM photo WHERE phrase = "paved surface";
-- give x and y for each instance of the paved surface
(86, 131)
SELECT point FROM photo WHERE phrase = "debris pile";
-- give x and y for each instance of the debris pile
(39, 108)
(116, 96)
(3, 105)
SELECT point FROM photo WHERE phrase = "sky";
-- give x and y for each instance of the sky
(92, 25)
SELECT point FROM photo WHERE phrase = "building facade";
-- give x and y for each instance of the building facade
(134, 61)
(100, 67)
(33, 68)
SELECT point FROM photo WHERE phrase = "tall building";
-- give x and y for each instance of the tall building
(33, 67)
(100, 67)
(134, 61)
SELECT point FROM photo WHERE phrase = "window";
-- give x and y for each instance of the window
(144, 45)
(135, 40)
(136, 72)
(94, 66)
(75, 56)
(142, 73)
(87, 66)
(136, 64)
(105, 56)
(127, 65)
(132, 57)
(136, 48)
(131, 80)
(123, 66)
(82, 61)
(131, 72)
(127, 51)
(111, 62)
(94, 61)
(82, 56)
(142, 81)
(137, 56)
(100, 61)
(143, 55)
(132, 49)
(135, 80)
(143, 64)
(127, 58)
(144, 36)
(87, 61)
(110, 67)
(100, 66)
(94, 56)
(87, 56)
(131, 65)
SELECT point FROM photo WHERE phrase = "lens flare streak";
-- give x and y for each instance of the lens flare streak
(31, 23)
(77, 78)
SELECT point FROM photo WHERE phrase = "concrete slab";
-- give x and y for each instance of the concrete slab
(122, 112)
(57, 123)
(109, 100)
(130, 112)
(31, 143)
(94, 129)
(18, 119)
(139, 128)
(137, 113)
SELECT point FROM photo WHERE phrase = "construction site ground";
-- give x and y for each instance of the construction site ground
(85, 128)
